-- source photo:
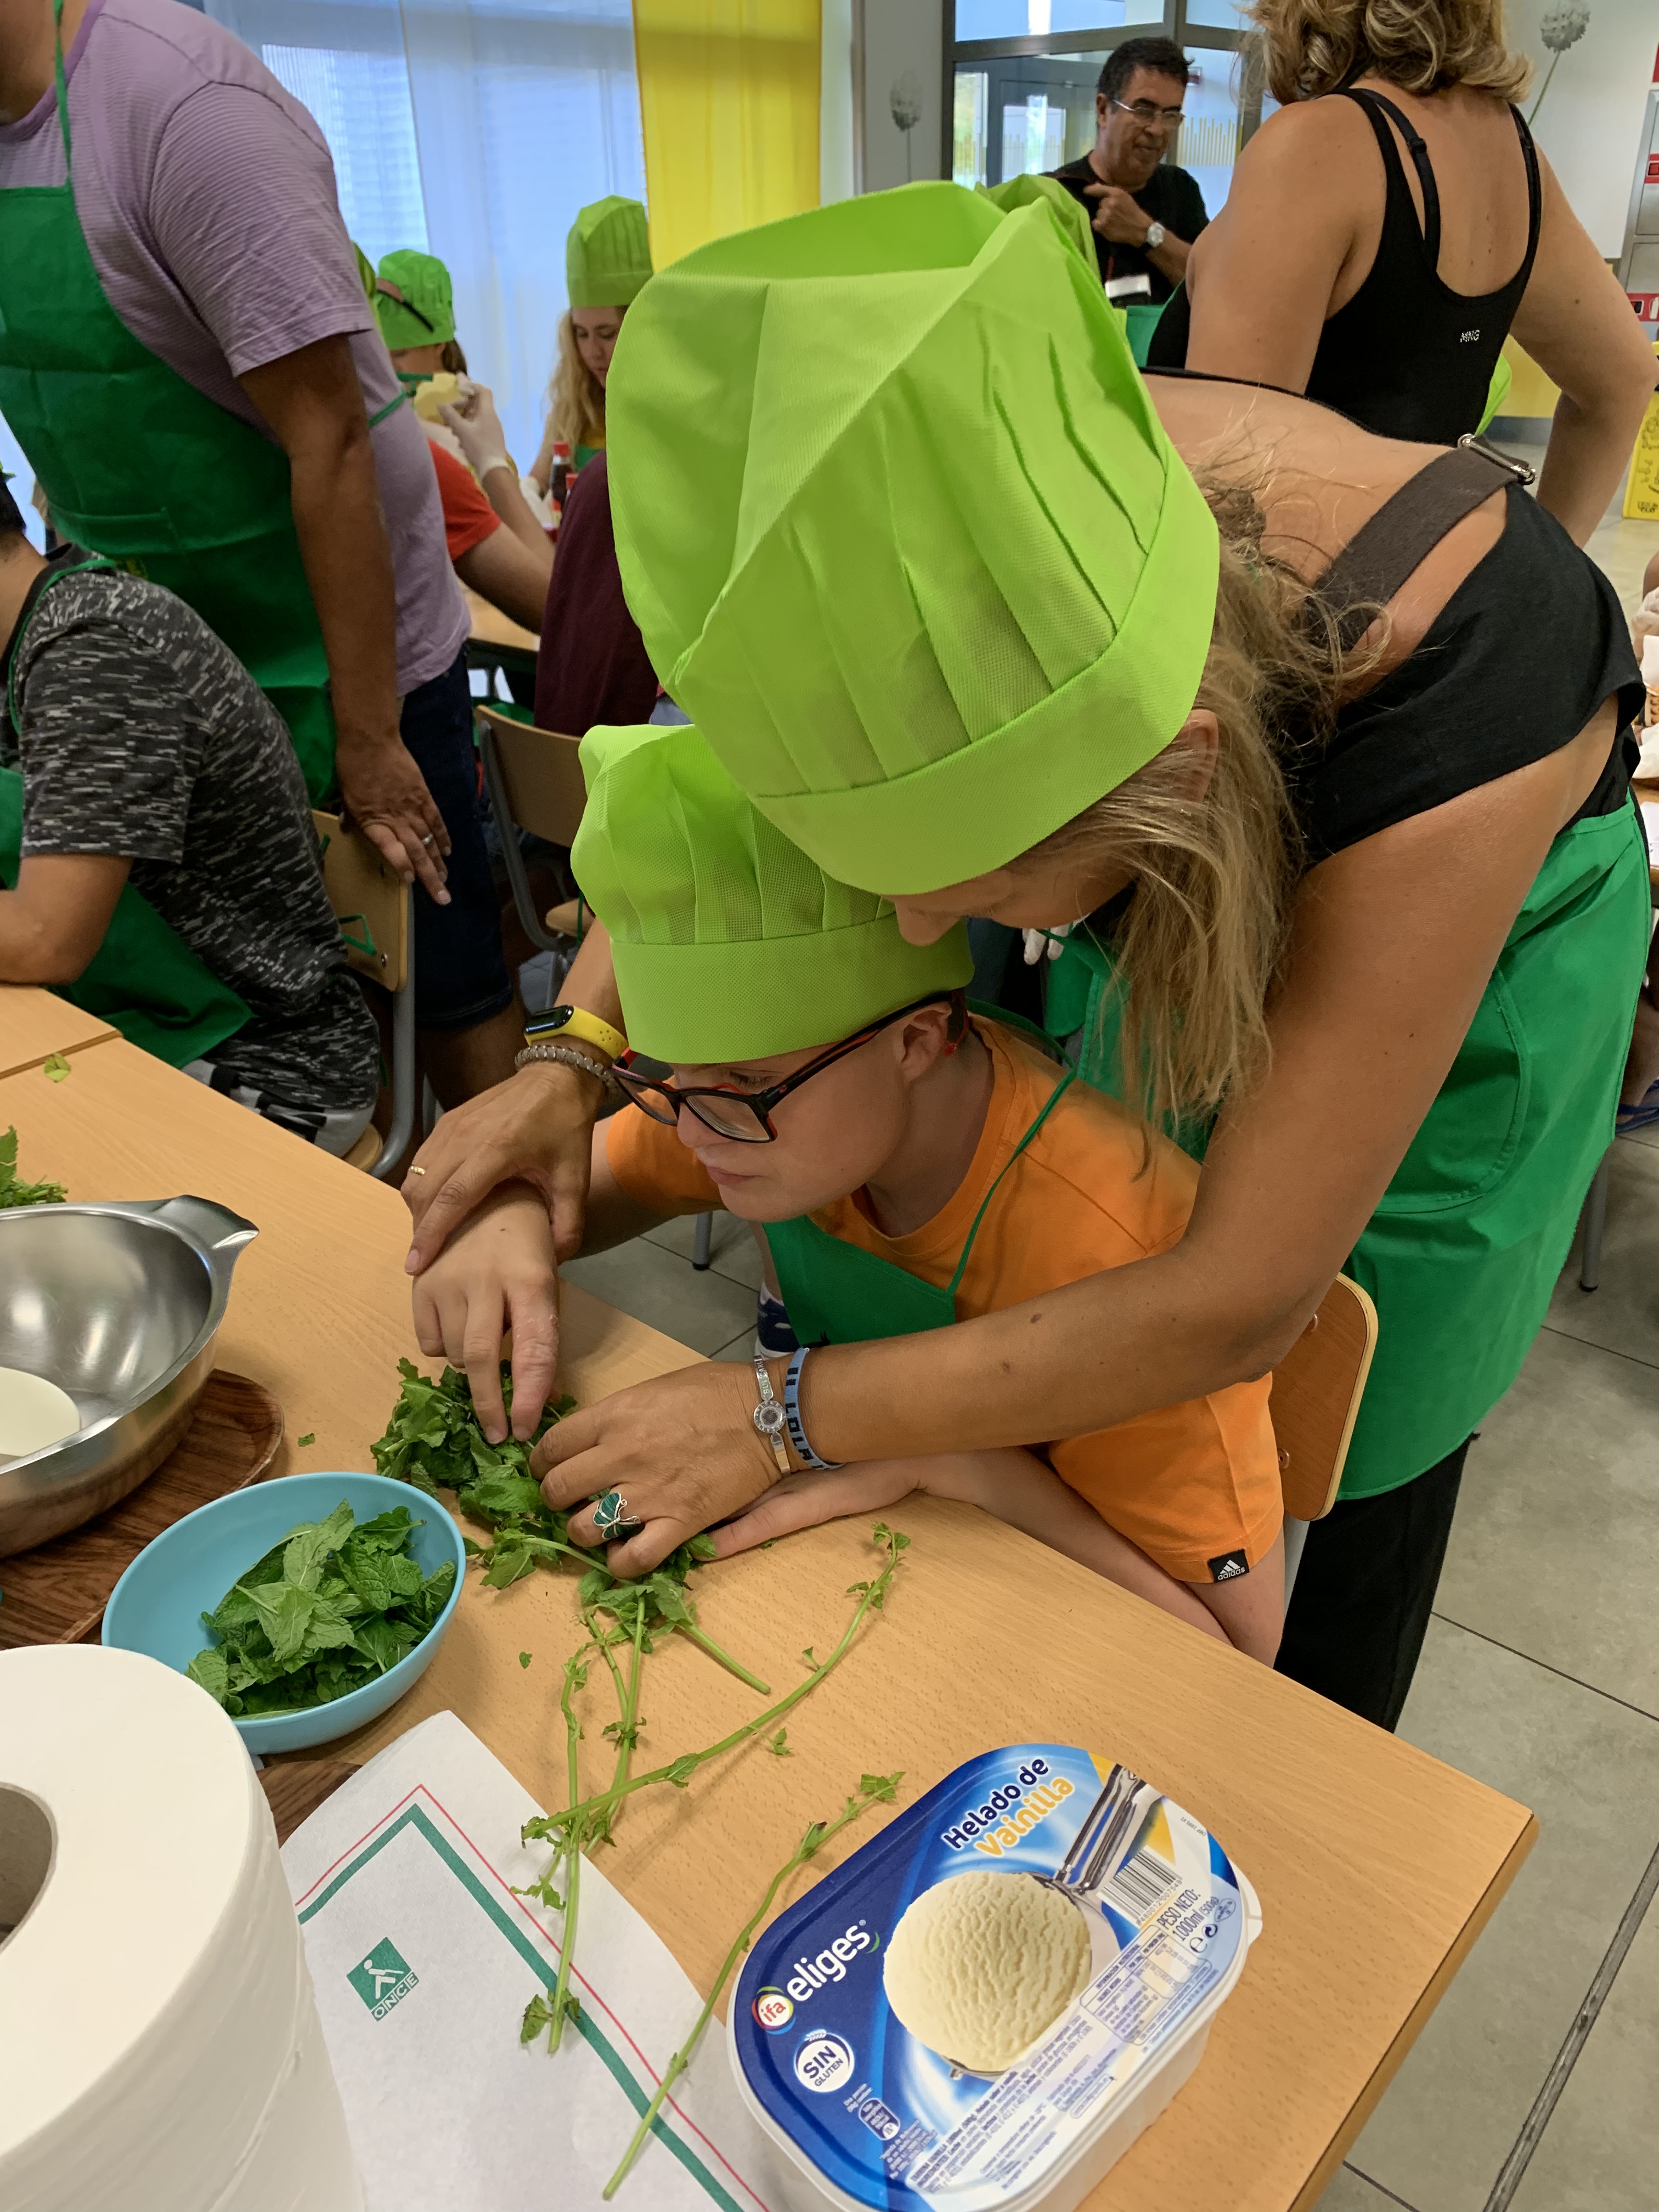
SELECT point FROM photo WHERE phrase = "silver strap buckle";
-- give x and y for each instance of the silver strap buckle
(1523, 472)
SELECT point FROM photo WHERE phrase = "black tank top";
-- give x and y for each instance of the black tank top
(1407, 357)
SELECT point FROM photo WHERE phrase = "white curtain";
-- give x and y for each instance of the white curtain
(473, 130)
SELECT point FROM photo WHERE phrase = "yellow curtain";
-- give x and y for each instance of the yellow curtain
(729, 100)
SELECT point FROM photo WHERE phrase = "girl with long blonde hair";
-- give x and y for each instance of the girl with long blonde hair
(607, 265)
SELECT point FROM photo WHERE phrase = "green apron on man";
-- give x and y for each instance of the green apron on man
(140, 466)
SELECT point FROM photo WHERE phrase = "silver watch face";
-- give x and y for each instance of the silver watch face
(768, 1419)
(1154, 235)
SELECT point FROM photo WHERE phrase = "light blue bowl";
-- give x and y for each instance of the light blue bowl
(157, 1605)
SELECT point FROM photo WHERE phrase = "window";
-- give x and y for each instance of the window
(473, 130)
(361, 106)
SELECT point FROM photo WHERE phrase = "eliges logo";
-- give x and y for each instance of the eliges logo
(773, 2010)
(830, 1965)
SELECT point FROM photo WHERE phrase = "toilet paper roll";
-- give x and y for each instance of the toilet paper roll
(159, 2041)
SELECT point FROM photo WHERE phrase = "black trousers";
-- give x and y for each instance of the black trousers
(1364, 1590)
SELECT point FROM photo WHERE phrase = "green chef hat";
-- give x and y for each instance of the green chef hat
(425, 315)
(607, 256)
(1070, 213)
(729, 943)
(903, 530)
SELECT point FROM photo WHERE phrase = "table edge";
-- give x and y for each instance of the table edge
(1388, 2065)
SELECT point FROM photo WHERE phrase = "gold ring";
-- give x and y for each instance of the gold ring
(417, 1172)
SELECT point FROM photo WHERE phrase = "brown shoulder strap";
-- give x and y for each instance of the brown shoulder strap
(1379, 557)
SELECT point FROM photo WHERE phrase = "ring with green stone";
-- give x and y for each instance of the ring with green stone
(610, 1518)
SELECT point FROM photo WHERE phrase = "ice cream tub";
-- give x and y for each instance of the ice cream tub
(986, 2004)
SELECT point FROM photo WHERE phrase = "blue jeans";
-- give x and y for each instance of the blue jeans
(460, 976)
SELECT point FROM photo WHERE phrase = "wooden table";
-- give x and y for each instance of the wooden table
(35, 1024)
(1376, 1867)
(496, 640)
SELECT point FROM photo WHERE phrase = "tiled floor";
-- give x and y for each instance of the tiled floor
(1536, 2085)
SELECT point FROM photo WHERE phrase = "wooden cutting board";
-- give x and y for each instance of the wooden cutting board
(57, 1593)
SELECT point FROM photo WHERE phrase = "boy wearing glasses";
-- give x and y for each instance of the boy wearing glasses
(912, 1164)
(1146, 211)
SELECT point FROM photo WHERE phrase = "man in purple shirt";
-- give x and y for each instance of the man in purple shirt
(187, 357)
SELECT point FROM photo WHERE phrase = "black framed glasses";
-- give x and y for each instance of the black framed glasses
(1167, 118)
(746, 1116)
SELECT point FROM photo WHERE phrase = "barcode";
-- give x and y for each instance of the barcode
(1140, 1884)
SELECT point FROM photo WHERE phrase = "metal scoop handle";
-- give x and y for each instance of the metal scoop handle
(1105, 1826)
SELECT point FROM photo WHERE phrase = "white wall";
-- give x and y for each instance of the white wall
(901, 36)
(1589, 125)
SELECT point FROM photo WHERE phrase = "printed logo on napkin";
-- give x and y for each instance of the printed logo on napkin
(383, 1979)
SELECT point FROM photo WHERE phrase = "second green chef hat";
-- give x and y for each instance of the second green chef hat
(425, 315)
(607, 255)
(903, 530)
(729, 943)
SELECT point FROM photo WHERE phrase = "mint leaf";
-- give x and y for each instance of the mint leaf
(209, 1668)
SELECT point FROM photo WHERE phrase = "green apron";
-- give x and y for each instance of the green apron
(1142, 320)
(143, 979)
(838, 1293)
(139, 466)
(1463, 1251)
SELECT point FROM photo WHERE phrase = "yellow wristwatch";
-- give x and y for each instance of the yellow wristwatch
(571, 1025)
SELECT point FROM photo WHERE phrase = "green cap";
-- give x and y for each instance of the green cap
(903, 530)
(729, 943)
(607, 256)
(425, 313)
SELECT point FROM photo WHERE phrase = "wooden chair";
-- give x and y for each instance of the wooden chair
(373, 910)
(534, 778)
(1317, 1390)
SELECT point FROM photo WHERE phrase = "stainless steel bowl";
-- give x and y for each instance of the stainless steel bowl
(120, 1306)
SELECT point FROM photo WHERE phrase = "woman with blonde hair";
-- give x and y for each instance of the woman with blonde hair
(607, 258)
(985, 623)
(1390, 225)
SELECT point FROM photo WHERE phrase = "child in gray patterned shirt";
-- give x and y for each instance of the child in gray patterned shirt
(148, 754)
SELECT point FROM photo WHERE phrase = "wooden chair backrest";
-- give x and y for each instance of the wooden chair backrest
(370, 902)
(542, 774)
(1315, 1396)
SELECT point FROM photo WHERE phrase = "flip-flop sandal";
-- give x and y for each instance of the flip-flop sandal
(1645, 1110)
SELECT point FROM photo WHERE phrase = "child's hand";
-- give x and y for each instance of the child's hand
(801, 1501)
(498, 1271)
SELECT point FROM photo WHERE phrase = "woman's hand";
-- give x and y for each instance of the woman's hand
(803, 1501)
(477, 429)
(681, 1450)
(536, 1128)
(498, 1273)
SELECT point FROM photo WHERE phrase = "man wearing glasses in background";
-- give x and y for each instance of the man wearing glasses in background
(1146, 211)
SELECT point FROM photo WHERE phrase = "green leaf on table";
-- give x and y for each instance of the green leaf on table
(13, 1190)
(525, 1658)
(56, 1068)
(309, 1438)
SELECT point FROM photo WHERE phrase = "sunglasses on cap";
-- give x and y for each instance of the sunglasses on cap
(746, 1116)
(406, 304)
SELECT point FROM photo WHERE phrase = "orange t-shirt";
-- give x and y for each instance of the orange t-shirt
(469, 518)
(1191, 1484)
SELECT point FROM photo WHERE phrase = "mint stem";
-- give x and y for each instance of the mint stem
(812, 1843)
